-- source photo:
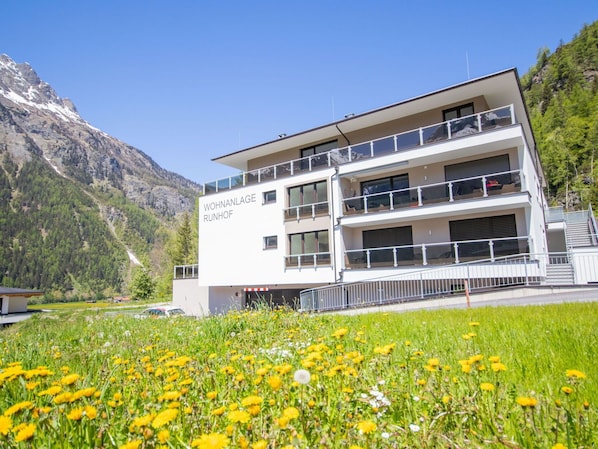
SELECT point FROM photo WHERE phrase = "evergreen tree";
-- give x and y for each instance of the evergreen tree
(143, 285)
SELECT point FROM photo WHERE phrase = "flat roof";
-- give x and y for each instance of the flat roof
(9, 291)
(499, 89)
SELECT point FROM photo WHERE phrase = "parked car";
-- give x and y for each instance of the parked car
(161, 312)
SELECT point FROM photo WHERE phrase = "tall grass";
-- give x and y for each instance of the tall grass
(521, 377)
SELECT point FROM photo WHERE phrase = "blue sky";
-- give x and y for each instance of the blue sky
(186, 81)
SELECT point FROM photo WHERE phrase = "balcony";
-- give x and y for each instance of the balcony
(306, 211)
(435, 253)
(452, 129)
(466, 188)
(312, 260)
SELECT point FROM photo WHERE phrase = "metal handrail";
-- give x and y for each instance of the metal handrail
(451, 129)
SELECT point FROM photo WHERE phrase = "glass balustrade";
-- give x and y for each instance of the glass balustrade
(452, 129)
(435, 253)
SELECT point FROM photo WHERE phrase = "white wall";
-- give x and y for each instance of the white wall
(14, 304)
(189, 296)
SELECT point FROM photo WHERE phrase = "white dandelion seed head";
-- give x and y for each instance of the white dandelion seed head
(414, 427)
(302, 376)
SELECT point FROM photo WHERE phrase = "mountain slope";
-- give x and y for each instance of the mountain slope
(77, 205)
(561, 93)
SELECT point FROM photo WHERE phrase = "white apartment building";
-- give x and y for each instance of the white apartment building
(434, 181)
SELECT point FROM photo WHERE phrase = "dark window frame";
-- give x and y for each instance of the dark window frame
(270, 242)
(459, 110)
(266, 198)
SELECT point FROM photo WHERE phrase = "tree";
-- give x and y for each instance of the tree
(142, 286)
(184, 243)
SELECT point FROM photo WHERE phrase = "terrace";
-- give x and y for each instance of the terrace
(444, 131)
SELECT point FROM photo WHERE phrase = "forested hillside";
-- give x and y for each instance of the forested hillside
(561, 92)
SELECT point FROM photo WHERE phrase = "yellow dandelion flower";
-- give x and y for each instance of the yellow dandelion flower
(5, 425)
(170, 396)
(31, 385)
(291, 412)
(25, 432)
(559, 446)
(474, 323)
(75, 414)
(141, 421)
(90, 411)
(526, 401)
(211, 441)
(354, 446)
(212, 394)
(219, 411)
(251, 400)
(486, 386)
(261, 444)
(567, 390)
(52, 391)
(239, 416)
(163, 436)
(497, 366)
(366, 427)
(70, 379)
(275, 382)
(164, 417)
(575, 374)
(494, 359)
(131, 445)
(340, 332)
(25, 405)
(283, 422)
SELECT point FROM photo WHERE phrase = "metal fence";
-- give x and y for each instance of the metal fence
(518, 270)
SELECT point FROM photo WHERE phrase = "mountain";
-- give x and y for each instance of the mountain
(561, 93)
(77, 206)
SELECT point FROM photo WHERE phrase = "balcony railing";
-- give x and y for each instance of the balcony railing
(311, 260)
(452, 129)
(436, 253)
(465, 188)
(306, 211)
(186, 271)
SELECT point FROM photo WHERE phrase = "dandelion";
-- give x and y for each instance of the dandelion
(239, 416)
(559, 446)
(573, 373)
(211, 441)
(131, 445)
(302, 376)
(5, 425)
(219, 411)
(25, 432)
(290, 412)
(251, 400)
(354, 446)
(212, 394)
(567, 390)
(163, 436)
(497, 366)
(25, 405)
(340, 332)
(164, 418)
(90, 411)
(70, 379)
(527, 401)
(486, 386)
(366, 427)
(261, 444)
(75, 414)
(275, 382)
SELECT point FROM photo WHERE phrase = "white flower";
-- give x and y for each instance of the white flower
(416, 398)
(127, 333)
(414, 427)
(302, 376)
(385, 435)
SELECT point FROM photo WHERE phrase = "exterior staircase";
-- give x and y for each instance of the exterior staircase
(578, 234)
(559, 274)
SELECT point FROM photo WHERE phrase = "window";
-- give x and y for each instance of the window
(308, 194)
(269, 197)
(388, 238)
(457, 112)
(271, 242)
(309, 243)
(310, 158)
(376, 188)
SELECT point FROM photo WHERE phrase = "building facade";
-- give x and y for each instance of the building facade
(441, 179)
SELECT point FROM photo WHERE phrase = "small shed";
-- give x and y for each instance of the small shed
(14, 300)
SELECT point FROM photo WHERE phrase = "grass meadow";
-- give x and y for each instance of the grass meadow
(520, 377)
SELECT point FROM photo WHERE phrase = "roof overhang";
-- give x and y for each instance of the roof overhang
(8, 291)
(499, 89)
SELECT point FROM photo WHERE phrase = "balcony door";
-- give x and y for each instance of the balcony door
(386, 239)
(484, 228)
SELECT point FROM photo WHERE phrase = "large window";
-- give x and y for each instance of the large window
(485, 228)
(309, 243)
(388, 238)
(308, 194)
(315, 156)
(376, 190)
(478, 168)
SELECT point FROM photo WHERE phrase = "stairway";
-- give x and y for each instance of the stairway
(559, 274)
(578, 234)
